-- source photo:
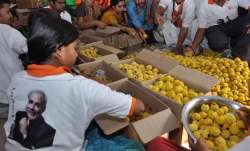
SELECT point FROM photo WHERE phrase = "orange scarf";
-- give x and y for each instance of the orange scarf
(210, 1)
(46, 70)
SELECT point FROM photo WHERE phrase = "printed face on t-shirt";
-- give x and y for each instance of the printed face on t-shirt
(35, 105)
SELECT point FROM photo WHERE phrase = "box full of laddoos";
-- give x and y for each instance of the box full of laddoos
(179, 86)
(100, 71)
(91, 53)
(155, 121)
(147, 65)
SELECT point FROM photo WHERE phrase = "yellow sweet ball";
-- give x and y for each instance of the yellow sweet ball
(208, 121)
(230, 118)
(196, 116)
(225, 108)
(220, 119)
(203, 114)
(193, 127)
(240, 124)
(212, 114)
(204, 133)
(214, 131)
(231, 143)
(197, 134)
(214, 107)
(225, 134)
(220, 111)
(234, 129)
(210, 144)
(205, 108)
(234, 138)
(220, 140)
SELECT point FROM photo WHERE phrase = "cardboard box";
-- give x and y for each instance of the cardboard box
(89, 36)
(107, 31)
(26, 4)
(161, 121)
(147, 57)
(90, 70)
(105, 53)
(194, 79)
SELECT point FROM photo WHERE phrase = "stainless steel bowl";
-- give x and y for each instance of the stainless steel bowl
(195, 103)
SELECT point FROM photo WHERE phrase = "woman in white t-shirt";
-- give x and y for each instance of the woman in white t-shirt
(58, 101)
(176, 17)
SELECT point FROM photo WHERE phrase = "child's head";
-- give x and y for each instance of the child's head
(58, 5)
(51, 40)
(5, 14)
(118, 5)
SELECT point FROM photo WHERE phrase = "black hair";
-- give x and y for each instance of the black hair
(42, 12)
(115, 2)
(2, 2)
(46, 35)
(14, 12)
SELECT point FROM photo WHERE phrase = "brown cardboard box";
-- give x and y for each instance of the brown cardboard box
(147, 57)
(26, 4)
(107, 31)
(89, 70)
(161, 121)
(194, 79)
(89, 36)
(105, 53)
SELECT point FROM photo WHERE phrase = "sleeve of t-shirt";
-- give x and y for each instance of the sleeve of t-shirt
(188, 14)
(80, 11)
(164, 3)
(101, 99)
(244, 3)
(132, 13)
(202, 16)
(17, 42)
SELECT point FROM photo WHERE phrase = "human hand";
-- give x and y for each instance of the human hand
(200, 145)
(248, 29)
(100, 24)
(23, 125)
(142, 34)
(189, 51)
(160, 20)
(244, 114)
(131, 31)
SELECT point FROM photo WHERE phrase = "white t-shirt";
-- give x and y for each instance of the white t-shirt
(66, 16)
(244, 3)
(72, 102)
(188, 13)
(209, 14)
(12, 44)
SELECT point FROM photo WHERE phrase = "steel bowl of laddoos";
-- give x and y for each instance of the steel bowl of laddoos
(214, 119)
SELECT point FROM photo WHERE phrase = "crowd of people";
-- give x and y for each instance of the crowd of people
(61, 105)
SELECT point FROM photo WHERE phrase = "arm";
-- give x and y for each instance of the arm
(86, 22)
(17, 42)
(198, 38)
(188, 17)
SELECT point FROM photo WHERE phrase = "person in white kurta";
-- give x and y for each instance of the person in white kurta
(178, 18)
(12, 44)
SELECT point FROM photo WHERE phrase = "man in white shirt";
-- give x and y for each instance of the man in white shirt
(177, 16)
(219, 21)
(59, 6)
(12, 44)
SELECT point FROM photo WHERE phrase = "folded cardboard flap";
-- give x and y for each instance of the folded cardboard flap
(155, 124)
(162, 120)
(157, 60)
(112, 74)
(194, 79)
(110, 125)
(106, 47)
